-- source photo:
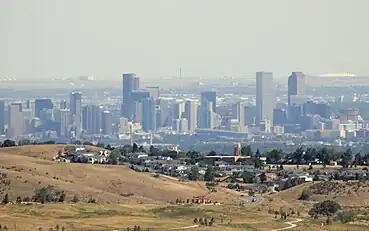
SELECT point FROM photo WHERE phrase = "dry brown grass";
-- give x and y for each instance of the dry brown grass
(27, 170)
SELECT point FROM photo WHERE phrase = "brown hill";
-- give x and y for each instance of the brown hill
(348, 194)
(30, 167)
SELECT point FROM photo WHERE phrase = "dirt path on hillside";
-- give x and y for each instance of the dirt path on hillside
(292, 224)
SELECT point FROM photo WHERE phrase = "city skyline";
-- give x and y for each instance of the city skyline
(90, 43)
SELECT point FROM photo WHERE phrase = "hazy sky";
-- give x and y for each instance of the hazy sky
(104, 38)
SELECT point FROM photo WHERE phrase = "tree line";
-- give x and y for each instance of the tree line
(323, 155)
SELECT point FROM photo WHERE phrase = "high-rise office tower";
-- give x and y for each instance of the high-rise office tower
(130, 83)
(76, 112)
(238, 113)
(265, 96)
(280, 116)
(149, 115)
(296, 85)
(294, 113)
(205, 115)
(2, 116)
(210, 96)
(91, 115)
(163, 113)
(177, 110)
(191, 114)
(136, 83)
(250, 115)
(15, 126)
(124, 127)
(106, 123)
(41, 104)
(63, 104)
(64, 122)
(183, 125)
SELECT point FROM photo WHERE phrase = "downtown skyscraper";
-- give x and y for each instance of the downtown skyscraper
(191, 114)
(76, 112)
(130, 83)
(296, 86)
(265, 96)
(210, 96)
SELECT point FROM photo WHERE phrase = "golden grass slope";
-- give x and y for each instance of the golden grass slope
(29, 168)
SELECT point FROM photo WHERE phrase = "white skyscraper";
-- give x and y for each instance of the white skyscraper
(191, 114)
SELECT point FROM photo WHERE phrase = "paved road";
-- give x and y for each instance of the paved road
(292, 224)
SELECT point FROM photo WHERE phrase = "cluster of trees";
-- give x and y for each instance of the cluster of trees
(136, 228)
(325, 208)
(325, 155)
(204, 221)
(57, 228)
(12, 143)
(46, 195)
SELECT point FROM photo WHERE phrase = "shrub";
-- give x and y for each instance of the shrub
(75, 199)
(305, 195)
(6, 199)
(325, 208)
(345, 217)
(156, 175)
(91, 201)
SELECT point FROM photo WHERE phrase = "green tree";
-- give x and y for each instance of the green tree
(43, 195)
(298, 155)
(134, 148)
(257, 153)
(345, 217)
(194, 173)
(325, 208)
(246, 151)
(152, 149)
(114, 157)
(310, 154)
(324, 155)
(274, 156)
(62, 197)
(263, 177)
(358, 159)
(209, 174)
(346, 158)
(8, 143)
(6, 199)
(75, 199)
(248, 177)
(257, 163)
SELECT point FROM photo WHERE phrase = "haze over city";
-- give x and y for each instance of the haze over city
(208, 38)
(184, 115)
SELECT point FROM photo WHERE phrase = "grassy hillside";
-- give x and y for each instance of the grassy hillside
(29, 168)
(127, 198)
